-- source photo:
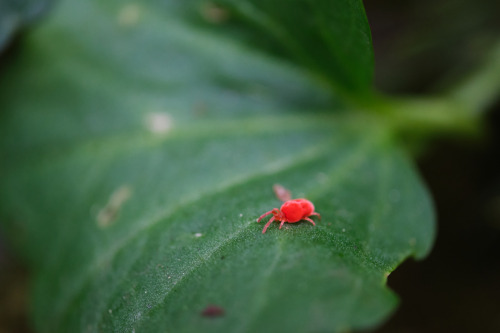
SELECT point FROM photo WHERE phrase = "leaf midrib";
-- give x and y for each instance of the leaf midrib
(139, 139)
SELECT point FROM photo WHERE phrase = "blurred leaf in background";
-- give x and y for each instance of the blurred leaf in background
(333, 38)
(15, 14)
(426, 47)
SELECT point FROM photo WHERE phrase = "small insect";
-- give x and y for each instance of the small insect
(291, 211)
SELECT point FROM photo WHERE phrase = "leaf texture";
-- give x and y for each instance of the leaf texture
(137, 152)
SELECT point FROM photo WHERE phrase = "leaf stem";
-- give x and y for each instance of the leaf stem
(480, 89)
(458, 111)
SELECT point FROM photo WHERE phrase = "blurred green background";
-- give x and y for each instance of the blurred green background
(420, 47)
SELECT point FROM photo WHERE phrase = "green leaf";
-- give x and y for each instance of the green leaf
(137, 152)
(14, 14)
(330, 38)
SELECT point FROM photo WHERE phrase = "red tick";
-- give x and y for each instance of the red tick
(291, 211)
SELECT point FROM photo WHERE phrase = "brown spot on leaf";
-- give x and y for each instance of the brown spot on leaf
(109, 213)
(213, 311)
(214, 14)
(129, 14)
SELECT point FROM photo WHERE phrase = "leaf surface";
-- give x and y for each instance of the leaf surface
(15, 14)
(330, 38)
(133, 174)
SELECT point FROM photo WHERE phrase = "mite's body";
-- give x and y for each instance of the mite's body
(291, 211)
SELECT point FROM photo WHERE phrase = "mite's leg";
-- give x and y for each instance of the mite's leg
(308, 219)
(264, 215)
(317, 214)
(268, 224)
(282, 221)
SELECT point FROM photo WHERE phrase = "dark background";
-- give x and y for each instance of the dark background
(420, 47)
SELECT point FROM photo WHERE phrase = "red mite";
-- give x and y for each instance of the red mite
(291, 211)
